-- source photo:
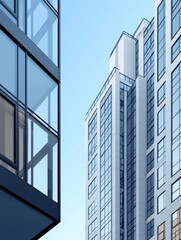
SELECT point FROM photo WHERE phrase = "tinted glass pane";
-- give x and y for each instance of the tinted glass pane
(21, 68)
(6, 129)
(42, 159)
(10, 4)
(42, 28)
(8, 63)
(21, 144)
(54, 3)
(42, 94)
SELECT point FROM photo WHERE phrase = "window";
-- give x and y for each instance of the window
(161, 231)
(150, 195)
(161, 120)
(161, 176)
(43, 103)
(176, 16)
(161, 40)
(160, 202)
(176, 225)
(137, 58)
(92, 147)
(150, 111)
(149, 64)
(150, 161)
(176, 189)
(92, 187)
(92, 167)
(10, 4)
(92, 209)
(176, 49)
(7, 130)
(8, 63)
(150, 229)
(42, 28)
(92, 126)
(42, 158)
(161, 150)
(149, 44)
(161, 94)
(92, 230)
(176, 120)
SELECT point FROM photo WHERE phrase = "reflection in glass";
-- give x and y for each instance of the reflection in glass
(42, 164)
(54, 3)
(8, 63)
(21, 75)
(7, 129)
(21, 144)
(161, 202)
(9, 168)
(42, 94)
(10, 4)
(42, 27)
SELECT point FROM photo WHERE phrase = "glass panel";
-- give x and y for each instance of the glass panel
(21, 18)
(10, 4)
(7, 128)
(21, 68)
(21, 144)
(8, 63)
(9, 168)
(42, 27)
(45, 102)
(42, 159)
(40, 181)
(54, 3)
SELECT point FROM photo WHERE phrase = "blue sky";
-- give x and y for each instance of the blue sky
(90, 29)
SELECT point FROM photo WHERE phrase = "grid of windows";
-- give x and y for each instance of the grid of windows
(36, 113)
(131, 162)
(161, 232)
(92, 147)
(148, 66)
(161, 40)
(92, 187)
(161, 150)
(150, 111)
(160, 202)
(137, 59)
(176, 225)
(92, 230)
(106, 166)
(176, 189)
(161, 176)
(161, 120)
(149, 44)
(92, 167)
(176, 119)
(150, 195)
(122, 94)
(176, 49)
(92, 126)
(150, 161)
(92, 209)
(150, 229)
(161, 94)
(176, 16)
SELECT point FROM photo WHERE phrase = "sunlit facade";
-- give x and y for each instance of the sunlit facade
(132, 132)
(29, 117)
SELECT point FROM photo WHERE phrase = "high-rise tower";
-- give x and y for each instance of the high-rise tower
(133, 129)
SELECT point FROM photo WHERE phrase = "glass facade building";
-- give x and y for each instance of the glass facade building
(132, 135)
(30, 115)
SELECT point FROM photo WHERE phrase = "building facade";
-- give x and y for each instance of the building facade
(29, 117)
(132, 132)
